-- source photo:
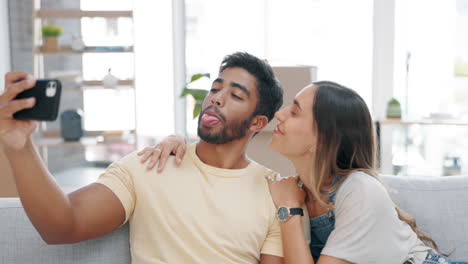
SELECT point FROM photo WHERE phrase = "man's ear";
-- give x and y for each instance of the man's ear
(258, 123)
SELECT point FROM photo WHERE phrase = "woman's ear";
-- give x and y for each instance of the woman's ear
(258, 123)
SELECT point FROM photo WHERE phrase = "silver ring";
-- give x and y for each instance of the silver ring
(158, 149)
(300, 183)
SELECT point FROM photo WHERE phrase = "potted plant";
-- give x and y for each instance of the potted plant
(197, 94)
(393, 109)
(50, 34)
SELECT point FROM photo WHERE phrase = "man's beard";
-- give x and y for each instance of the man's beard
(232, 130)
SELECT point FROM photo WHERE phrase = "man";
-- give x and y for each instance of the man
(214, 208)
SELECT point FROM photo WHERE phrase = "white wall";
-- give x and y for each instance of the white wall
(4, 42)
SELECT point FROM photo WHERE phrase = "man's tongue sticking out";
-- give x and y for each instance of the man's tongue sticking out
(209, 120)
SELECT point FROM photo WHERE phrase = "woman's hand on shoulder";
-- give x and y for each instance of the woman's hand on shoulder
(286, 191)
(159, 153)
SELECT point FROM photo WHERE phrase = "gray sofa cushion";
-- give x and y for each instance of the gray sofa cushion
(20, 242)
(440, 206)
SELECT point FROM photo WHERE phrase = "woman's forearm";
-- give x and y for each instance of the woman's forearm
(295, 248)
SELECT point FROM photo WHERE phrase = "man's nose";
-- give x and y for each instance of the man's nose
(218, 99)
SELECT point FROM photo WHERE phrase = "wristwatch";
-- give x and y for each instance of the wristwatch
(284, 213)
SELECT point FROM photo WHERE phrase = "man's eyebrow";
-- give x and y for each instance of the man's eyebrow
(242, 87)
(218, 80)
(297, 103)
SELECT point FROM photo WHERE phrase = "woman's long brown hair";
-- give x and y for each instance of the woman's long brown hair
(345, 143)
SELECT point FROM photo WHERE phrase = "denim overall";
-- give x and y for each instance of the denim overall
(321, 227)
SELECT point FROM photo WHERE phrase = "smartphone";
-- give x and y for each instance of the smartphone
(47, 93)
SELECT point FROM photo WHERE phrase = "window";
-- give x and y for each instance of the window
(215, 29)
(110, 5)
(325, 34)
(425, 54)
(96, 65)
(107, 32)
(285, 33)
(431, 82)
(108, 109)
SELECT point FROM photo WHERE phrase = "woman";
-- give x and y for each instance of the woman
(327, 134)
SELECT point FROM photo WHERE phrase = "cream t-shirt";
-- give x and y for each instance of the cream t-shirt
(367, 227)
(195, 213)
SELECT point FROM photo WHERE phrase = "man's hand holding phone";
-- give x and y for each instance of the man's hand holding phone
(14, 134)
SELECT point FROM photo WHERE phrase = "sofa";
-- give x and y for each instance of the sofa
(440, 206)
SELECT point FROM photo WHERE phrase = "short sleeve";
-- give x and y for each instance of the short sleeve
(273, 244)
(120, 181)
(365, 219)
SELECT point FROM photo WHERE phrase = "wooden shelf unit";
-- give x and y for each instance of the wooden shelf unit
(59, 142)
(46, 138)
(447, 122)
(51, 13)
(67, 50)
(99, 83)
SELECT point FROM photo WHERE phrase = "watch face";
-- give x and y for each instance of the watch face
(283, 213)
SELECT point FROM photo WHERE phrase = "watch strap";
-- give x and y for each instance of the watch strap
(296, 211)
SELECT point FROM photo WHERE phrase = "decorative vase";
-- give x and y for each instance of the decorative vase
(110, 81)
(77, 44)
(71, 125)
(51, 44)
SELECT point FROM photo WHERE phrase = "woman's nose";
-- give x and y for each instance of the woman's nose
(279, 115)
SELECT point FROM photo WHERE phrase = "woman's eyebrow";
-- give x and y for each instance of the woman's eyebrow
(297, 104)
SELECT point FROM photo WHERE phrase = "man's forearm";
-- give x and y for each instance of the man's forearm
(46, 205)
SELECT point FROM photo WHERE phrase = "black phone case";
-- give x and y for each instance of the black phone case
(46, 107)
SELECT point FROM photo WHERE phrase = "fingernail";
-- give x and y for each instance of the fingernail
(179, 160)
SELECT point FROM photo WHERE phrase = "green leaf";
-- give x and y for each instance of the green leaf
(197, 94)
(198, 76)
(196, 110)
(185, 92)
